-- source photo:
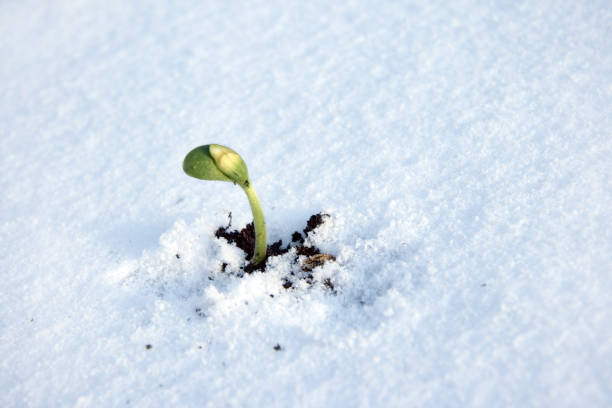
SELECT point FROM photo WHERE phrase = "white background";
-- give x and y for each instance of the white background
(462, 149)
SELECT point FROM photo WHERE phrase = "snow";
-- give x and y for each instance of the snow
(461, 149)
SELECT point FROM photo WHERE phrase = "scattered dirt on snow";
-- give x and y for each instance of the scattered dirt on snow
(245, 240)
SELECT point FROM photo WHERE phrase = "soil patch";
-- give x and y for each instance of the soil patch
(245, 240)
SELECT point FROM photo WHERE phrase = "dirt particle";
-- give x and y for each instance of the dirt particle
(307, 250)
(297, 237)
(276, 248)
(243, 239)
(178, 256)
(316, 260)
(329, 285)
(278, 347)
(148, 347)
(314, 222)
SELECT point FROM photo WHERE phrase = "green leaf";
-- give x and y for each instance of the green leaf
(216, 162)
(200, 164)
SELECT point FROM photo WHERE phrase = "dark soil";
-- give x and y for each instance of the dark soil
(313, 223)
(245, 240)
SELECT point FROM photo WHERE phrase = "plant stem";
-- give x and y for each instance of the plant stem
(261, 245)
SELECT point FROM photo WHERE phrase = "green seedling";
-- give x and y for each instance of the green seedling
(216, 162)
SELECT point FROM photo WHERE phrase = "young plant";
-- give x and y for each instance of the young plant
(216, 162)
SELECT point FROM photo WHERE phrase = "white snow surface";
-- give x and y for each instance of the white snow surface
(463, 151)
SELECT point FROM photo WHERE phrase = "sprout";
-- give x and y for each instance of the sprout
(216, 162)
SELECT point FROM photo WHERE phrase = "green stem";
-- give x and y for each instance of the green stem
(261, 245)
